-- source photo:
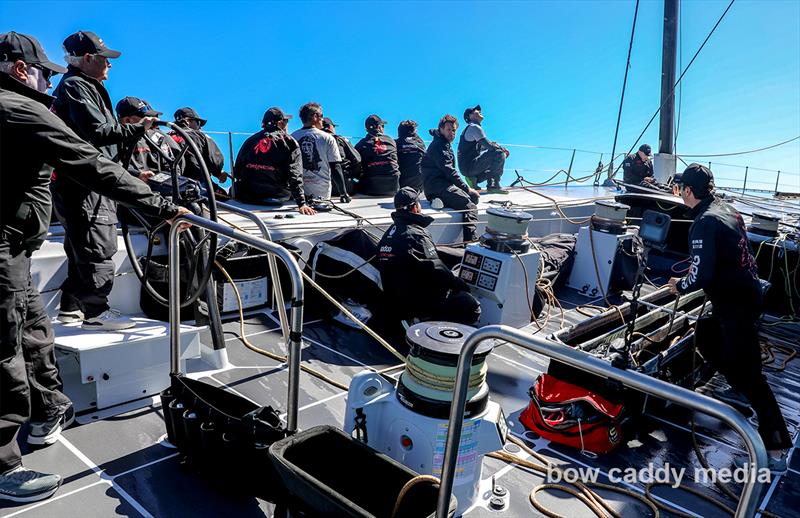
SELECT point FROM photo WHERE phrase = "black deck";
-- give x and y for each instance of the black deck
(116, 465)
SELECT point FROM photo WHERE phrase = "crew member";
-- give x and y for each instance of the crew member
(351, 161)
(380, 173)
(188, 119)
(319, 151)
(723, 266)
(89, 218)
(416, 282)
(33, 142)
(268, 168)
(441, 180)
(637, 168)
(137, 155)
(480, 159)
(410, 150)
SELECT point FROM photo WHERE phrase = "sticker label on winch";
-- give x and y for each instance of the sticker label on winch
(467, 450)
(253, 293)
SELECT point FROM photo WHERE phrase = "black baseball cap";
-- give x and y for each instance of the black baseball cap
(698, 177)
(86, 42)
(405, 197)
(15, 46)
(189, 113)
(373, 120)
(274, 114)
(326, 121)
(646, 149)
(469, 111)
(134, 106)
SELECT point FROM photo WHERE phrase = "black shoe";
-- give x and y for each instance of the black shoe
(47, 432)
(724, 393)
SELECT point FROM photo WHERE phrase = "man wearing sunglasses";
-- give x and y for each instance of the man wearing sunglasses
(139, 156)
(89, 218)
(188, 119)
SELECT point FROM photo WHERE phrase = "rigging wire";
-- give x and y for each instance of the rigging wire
(745, 152)
(680, 86)
(702, 45)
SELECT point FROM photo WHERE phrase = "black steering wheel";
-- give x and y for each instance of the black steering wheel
(199, 246)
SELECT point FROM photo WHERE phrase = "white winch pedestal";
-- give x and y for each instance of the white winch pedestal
(409, 422)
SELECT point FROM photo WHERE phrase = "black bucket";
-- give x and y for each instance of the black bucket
(316, 467)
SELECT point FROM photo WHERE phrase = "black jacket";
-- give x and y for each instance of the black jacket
(31, 139)
(635, 170)
(410, 150)
(269, 165)
(351, 158)
(439, 167)
(379, 169)
(211, 155)
(414, 279)
(722, 263)
(137, 156)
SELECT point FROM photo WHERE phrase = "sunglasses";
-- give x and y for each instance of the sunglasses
(46, 72)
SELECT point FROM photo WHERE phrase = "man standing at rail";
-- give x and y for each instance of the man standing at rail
(723, 266)
(637, 168)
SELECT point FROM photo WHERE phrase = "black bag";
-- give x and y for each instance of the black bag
(219, 433)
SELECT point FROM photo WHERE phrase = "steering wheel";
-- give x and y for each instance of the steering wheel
(199, 246)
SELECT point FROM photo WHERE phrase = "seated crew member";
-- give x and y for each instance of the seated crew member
(723, 266)
(637, 168)
(34, 141)
(410, 150)
(441, 180)
(480, 159)
(351, 161)
(319, 152)
(268, 168)
(188, 119)
(380, 172)
(416, 282)
(136, 155)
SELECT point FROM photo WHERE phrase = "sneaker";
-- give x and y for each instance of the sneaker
(496, 190)
(108, 320)
(26, 485)
(47, 432)
(777, 466)
(437, 203)
(69, 317)
(725, 394)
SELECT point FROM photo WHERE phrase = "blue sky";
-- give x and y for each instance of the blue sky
(546, 73)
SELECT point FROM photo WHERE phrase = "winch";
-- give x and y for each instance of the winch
(502, 269)
(409, 422)
(763, 226)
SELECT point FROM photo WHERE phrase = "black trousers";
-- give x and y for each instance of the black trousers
(488, 166)
(457, 199)
(89, 246)
(30, 386)
(729, 342)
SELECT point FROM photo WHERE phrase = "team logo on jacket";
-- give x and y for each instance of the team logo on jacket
(379, 147)
(263, 145)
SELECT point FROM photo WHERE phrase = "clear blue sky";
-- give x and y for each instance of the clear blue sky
(546, 73)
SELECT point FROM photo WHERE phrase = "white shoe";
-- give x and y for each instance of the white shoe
(108, 320)
(69, 317)
(437, 203)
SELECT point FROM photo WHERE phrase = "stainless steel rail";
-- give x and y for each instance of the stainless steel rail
(755, 447)
(295, 321)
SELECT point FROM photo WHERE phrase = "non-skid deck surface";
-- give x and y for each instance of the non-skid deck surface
(116, 466)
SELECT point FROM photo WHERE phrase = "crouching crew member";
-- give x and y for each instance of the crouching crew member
(723, 266)
(188, 119)
(441, 180)
(268, 168)
(33, 142)
(410, 150)
(416, 282)
(380, 173)
(480, 159)
(351, 161)
(637, 168)
(137, 155)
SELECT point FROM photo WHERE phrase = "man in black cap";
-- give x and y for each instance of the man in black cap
(269, 168)
(637, 168)
(89, 218)
(415, 280)
(410, 150)
(380, 173)
(480, 159)
(442, 181)
(351, 161)
(138, 156)
(723, 266)
(33, 142)
(188, 119)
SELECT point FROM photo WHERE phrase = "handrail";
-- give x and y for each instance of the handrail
(277, 289)
(661, 389)
(294, 344)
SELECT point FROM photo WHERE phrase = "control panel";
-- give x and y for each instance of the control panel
(487, 282)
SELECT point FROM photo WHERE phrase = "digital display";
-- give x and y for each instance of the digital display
(491, 265)
(472, 259)
(487, 282)
(468, 275)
